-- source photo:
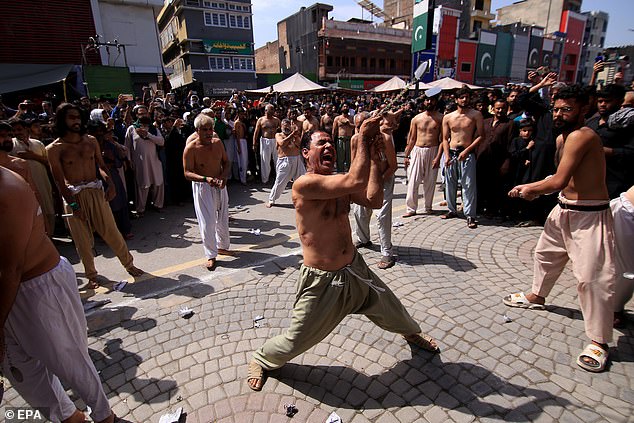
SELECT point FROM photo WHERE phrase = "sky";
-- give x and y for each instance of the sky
(267, 13)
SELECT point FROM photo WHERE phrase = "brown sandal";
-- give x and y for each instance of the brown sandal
(449, 215)
(257, 373)
(92, 284)
(423, 341)
(386, 262)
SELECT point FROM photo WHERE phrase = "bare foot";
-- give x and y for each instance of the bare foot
(224, 252)
(255, 376)
(134, 271)
(76, 417)
(269, 204)
(92, 284)
(211, 264)
(536, 299)
(409, 214)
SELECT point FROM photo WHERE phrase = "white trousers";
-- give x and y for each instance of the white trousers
(212, 211)
(45, 335)
(287, 168)
(362, 216)
(623, 213)
(240, 162)
(268, 152)
(420, 170)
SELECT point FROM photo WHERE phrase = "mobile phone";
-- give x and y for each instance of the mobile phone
(127, 97)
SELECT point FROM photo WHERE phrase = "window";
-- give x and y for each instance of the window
(215, 19)
(353, 62)
(372, 63)
(570, 59)
(477, 25)
(465, 67)
(602, 41)
(382, 64)
(479, 4)
(314, 15)
(605, 26)
(214, 5)
(225, 63)
(337, 61)
(364, 62)
(239, 21)
(192, 3)
(392, 64)
(329, 61)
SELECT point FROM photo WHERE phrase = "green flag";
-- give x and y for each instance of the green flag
(421, 26)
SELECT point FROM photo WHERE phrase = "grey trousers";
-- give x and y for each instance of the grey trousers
(465, 172)
(362, 216)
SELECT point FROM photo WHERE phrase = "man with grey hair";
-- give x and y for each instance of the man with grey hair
(207, 166)
(268, 125)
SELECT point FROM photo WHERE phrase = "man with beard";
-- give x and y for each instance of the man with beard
(493, 160)
(268, 126)
(514, 107)
(422, 154)
(310, 122)
(334, 280)
(207, 166)
(41, 307)
(289, 162)
(618, 144)
(342, 130)
(34, 152)
(579, 228)
(74, 157)
(462, 131)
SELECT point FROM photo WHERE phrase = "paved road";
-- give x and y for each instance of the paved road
(449, 277)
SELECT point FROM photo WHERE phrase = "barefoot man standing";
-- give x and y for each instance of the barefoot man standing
(580, 228)
(74, 157)
(422, 154)
(342, 130)
(267, 125)
(334, 281)
(290, 165)
(207, 166)
(462, 131)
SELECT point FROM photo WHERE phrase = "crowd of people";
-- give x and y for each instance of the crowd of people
(95, 165)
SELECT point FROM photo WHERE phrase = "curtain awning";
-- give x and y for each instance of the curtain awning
(22, 76)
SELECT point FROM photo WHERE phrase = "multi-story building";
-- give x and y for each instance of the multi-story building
(593, 42)
(267, 59)
(475, 14)
(208, 45)
(543, 13)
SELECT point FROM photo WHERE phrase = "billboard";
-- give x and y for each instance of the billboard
(503, 54)
(485, 58)
(535, 49)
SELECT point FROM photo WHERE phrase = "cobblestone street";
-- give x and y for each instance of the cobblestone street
(449, 277)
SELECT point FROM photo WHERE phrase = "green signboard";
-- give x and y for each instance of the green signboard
(227, 47)
(107, 81)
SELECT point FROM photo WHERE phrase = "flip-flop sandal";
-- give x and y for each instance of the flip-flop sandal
(255, 372)
(386, 262)
(409, 214)
(423, 341)
(519, 300)
(598, 355)
(450, 215)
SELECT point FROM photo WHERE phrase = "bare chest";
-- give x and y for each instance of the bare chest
(74, 154)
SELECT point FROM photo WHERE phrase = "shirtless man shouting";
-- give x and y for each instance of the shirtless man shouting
(267, 126)
(579, 228)
(422, 154)
(342, 130)
(290, 164)
(462, 131)
(207, 166)
(74, 157)
(334, 279)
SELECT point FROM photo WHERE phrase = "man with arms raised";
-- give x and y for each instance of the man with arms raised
(289, 163)
(334, 280)
(342, 130)
(207, 166)
(74, 158)
(268, 126)
(422, 154)
(42, 322)
(579, 228)
(462, 131)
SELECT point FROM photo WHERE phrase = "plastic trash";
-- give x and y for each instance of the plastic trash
(334, 418)
(397, 224)
(186, 312)
(256, 232)
(291, 410)
(239, 207)
(94, 304)
(257, 320)
(118, 286)
(172, 417)
(507, 319)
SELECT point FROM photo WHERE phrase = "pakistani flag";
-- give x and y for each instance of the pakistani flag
(422, 26)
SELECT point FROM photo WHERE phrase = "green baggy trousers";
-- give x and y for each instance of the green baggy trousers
(323, 299)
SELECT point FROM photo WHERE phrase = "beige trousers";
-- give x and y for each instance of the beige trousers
(420, 170)
(92, 202)
(323, 299)
(586, 238)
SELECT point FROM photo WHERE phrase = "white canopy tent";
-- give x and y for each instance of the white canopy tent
(393, 84)
(450, 84)
(293, 84)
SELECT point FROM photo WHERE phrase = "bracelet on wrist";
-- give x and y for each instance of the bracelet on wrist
(205, 179)
(74, 205)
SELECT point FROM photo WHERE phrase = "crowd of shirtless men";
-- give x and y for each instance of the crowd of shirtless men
(338, 164)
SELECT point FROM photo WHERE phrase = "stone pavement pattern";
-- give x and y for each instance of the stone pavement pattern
(450, 278)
